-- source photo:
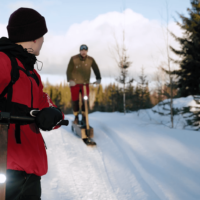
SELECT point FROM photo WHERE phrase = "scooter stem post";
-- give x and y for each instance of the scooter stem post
(4, 124)
(86, 108)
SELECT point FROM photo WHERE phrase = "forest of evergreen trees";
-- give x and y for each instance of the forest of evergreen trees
(108, 98)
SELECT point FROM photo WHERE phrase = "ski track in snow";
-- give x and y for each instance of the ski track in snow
(123, 166)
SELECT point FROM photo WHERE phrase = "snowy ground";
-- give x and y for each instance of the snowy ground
(180, 119)
(135, 159)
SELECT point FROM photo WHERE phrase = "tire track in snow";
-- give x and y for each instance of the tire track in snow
(119, 175)
(69, 149)
(106, 171)
(145, 179)
(100, 167)
(57, 155)
(91, 163)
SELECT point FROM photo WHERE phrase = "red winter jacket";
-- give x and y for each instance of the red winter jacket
(29, 156)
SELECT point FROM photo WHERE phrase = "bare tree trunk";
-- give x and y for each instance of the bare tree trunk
(123, 63)
(124, 100)
(171, 103)
(169, 68)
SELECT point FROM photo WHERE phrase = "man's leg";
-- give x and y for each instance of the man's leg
(75, 101)
(32, 188)
(14, 184)
(22, 186)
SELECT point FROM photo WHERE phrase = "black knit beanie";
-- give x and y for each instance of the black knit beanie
(26, 24)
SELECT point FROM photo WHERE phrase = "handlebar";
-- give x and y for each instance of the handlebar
(6, 116)
(94, 83)
(32, 119)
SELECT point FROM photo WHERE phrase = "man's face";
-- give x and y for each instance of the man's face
(83, 53)
(37, 45)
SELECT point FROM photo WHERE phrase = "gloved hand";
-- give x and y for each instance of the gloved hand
(47, 118)
(98, 81)
(72, 83)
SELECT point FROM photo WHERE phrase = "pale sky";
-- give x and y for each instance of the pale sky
(71, 23)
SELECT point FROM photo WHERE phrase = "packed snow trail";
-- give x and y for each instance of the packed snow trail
(133, 160)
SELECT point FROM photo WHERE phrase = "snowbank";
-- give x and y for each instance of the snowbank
(160, 114)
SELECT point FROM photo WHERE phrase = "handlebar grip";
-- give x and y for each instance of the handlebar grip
(63, 123)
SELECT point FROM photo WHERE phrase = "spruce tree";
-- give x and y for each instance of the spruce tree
(143, 89)
(189, 72)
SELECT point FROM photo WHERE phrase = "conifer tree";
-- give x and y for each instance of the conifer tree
(189, 72)
(122, 60)
(143, 91)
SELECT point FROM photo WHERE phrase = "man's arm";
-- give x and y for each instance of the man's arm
(96, 70)
(52, 114)
(70, 69)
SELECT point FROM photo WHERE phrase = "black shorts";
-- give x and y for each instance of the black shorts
(22, 186)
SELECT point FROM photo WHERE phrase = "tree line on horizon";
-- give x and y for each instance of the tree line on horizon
(108, 98)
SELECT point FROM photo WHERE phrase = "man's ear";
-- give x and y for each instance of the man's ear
(34, 41)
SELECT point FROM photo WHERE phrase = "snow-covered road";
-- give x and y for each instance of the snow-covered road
(133, 160)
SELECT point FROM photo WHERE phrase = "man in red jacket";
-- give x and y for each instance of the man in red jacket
(26, 153)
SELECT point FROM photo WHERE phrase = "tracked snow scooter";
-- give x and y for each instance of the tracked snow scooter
(84, 131)
(5, 120)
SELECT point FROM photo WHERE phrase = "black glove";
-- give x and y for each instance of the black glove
(47, 118)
